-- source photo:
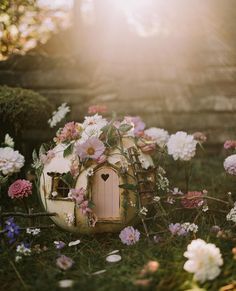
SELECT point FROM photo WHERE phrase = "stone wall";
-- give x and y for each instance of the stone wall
(182, 99)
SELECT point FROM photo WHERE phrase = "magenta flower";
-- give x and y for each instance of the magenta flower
(64, 262)
(192, 199)
(20, 189)
(92, 148)
(129, 235)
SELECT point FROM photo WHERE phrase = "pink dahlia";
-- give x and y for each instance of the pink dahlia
(192, 199)
(92, 148)
(230, 144)
(129, 235)
(97, 109)
(20, 189)
(71, 131)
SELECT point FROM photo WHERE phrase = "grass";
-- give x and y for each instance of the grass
(39, 272)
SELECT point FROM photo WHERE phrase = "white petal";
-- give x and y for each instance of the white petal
(99, 272)
(74, 243)
(113, 258)
(113, 252)
(65, 283)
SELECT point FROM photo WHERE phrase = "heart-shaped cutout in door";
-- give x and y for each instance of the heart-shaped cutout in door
(105, 177)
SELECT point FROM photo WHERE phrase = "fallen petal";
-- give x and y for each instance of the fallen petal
(99, 272)
(66, 283)
(113, 258)
(113, 252)
(74, 243)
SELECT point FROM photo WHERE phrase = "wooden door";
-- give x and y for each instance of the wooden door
(106, 194)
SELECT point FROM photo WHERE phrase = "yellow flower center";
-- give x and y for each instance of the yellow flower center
(90, 151)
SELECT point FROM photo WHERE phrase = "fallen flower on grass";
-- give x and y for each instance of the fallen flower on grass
(150, 268)
(113, 258)
(67, 283)
(64, 262)
(99, 272)
(74, 243)
(59, 244)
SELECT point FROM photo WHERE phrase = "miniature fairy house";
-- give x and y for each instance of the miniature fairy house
(91, 183)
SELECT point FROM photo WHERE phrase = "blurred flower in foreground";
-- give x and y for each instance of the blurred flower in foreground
(59, 244)
(230, 144)
(150, 268)
(67, 283)
(64, 262)
(204, 260)
(129, 235)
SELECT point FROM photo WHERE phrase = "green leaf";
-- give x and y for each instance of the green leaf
(128, 186)
(68, 179)
(125, 127)
(68, 151)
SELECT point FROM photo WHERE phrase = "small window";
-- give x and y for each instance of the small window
(59, 188)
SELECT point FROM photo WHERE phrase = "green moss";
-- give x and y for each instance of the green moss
(22, 109)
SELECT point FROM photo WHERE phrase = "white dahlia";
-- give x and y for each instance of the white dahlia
(159, 135)
(96, 121)
(10, 161)
(230, 165)
(182, 146)
(204, 260)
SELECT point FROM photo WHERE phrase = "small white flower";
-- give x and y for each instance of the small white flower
(54, 194)
(204, 260)
(90, 172)
(113, 258)
(157, 198)
(132, 204)
(182, 146)
(18, 259)
(145, 160)
(143, 211)
(229, 193)
(176, 191)
(69, 218)
(205, 208)
(59, 114)
(10, 161)
(22, 249)
(33, 231)
(9, 141)
(190, 227)
(67, 283)
(231, 216)
(230, 164)
(74, 243)
(159, 135)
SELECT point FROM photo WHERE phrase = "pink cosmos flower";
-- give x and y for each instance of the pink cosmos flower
(64, 262)
(192, 199)
(71, 131)
(129, 235)
(230, 144)
(46, 158)
(77, 195)
(20, 189)
(92, 148)
(139, 125)
(97, 109)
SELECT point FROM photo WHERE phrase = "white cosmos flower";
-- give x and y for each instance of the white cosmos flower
(90, 131)
(10, 161)
(59, 114)
(9, 141)
(230, 165)
(182, 146)
(204, 260)
(96, 119)
(159, 135)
